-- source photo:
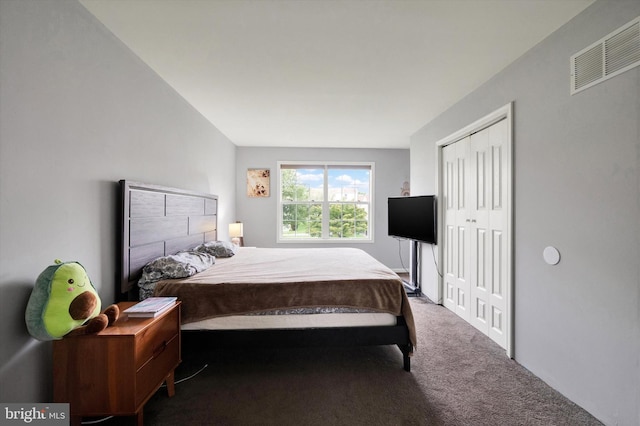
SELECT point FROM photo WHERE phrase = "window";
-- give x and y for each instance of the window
(325, 201)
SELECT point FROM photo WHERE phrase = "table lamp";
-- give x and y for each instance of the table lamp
(235, 232)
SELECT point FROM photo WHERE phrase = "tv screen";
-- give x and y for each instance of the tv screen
(413, 218)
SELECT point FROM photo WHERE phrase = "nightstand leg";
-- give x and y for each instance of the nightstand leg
(140, 417)
(171, 388)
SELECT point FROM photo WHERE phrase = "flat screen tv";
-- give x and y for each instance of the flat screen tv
(413, 218)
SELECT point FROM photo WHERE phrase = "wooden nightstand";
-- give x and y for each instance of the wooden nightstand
(116, 371)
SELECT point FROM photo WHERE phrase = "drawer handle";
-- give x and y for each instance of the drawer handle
(160, 349)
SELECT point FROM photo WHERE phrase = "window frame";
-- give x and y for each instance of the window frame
(326, 165)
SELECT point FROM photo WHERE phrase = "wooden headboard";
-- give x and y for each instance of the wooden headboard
(158, 221)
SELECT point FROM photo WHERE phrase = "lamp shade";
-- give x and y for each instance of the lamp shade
(235, 230)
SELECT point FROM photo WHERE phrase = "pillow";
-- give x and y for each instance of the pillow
(180, 265)
(217, 248)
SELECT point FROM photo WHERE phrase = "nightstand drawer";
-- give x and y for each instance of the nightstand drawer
(165, 358)
(152, 339)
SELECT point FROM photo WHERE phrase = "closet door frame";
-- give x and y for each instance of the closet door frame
(503, 113)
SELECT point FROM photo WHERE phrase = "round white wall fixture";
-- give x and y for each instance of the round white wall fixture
(551, 255)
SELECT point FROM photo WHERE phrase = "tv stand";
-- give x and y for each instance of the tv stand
(412, 287)
(412, 291)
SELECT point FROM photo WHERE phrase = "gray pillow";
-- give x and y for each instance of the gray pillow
(180, 265)
(217, 248)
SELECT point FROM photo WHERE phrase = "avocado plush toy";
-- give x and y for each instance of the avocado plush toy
(64, 302)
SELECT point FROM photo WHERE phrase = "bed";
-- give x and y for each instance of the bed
(258, 296)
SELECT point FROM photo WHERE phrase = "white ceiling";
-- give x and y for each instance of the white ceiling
(342, 73)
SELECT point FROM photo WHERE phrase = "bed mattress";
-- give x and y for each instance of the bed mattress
(292, 321)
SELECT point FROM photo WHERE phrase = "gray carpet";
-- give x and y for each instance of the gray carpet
(458, 377)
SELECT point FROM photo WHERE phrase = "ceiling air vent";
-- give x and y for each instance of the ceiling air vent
(614, 54)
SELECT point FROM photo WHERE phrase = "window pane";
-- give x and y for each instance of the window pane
(288, 228)
(349, 184)
(315, 229)
(302, 220)
(361, 211)
(348, 229)
(288, 212)
(315, 212)
(335, 230)
(302, 184)
(302, 212)
(362, 228)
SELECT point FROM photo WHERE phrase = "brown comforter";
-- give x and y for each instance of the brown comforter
(260, 279)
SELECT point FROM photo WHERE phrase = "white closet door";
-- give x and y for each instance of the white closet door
(498, 232)
(457, 237)
(479, 221)
(475, 229)
(449, 207)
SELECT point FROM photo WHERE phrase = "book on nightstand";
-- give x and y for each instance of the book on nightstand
(150, 307)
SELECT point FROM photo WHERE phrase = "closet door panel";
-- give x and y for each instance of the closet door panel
(479, 219)
(498, 226)
(449, 202)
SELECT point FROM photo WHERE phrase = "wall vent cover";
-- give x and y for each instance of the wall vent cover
(614, 54)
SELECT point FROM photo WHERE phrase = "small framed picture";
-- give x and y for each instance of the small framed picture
(258, 182)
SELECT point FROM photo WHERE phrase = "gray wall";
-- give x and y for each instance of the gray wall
(78, 112)
(577, 187)
(259, 215)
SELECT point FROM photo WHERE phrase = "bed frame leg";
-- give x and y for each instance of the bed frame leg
(406, 350)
